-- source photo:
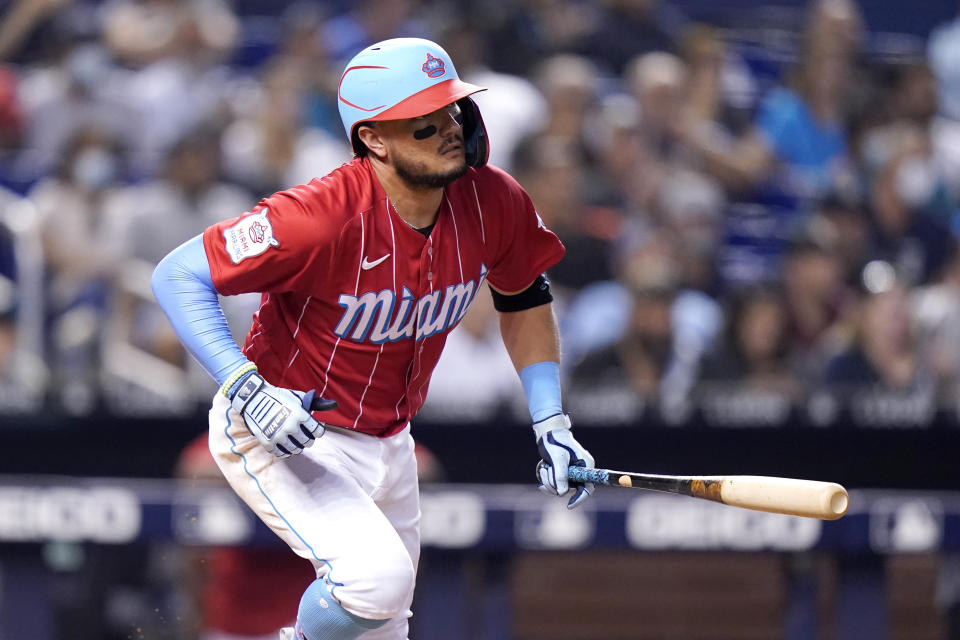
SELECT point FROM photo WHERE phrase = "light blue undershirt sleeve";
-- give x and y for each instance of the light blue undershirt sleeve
(541, 384)
(183, 286)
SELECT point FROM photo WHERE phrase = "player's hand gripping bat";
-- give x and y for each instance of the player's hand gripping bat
(808, 498)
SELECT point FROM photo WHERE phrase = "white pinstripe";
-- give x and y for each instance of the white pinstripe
(393, 240)
(300, 319)
(456, 235)
(476, 196)
(404, 394)
(416, 353)
(247, 348)
(364, 394)
(356, 289)
(263, 303)
(296, 331)
(326, 372)
(393, 247)
(363, 240)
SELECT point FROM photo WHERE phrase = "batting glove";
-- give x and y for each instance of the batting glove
(279, 418)
(559, 450)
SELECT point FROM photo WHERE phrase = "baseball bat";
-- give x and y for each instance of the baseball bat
(808, 498)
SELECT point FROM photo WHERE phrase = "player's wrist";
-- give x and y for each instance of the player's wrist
(541, 385)
(235, 380)
(558, 421)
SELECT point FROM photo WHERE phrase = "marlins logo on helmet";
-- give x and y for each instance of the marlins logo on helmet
(433, 67)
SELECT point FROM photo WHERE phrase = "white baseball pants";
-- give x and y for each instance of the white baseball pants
(349, 504)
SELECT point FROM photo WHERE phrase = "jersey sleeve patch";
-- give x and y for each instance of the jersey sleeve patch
(250, 236)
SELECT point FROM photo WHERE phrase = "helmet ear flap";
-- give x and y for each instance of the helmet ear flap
(474, 133)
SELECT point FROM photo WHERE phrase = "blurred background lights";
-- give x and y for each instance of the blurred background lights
(879, 276)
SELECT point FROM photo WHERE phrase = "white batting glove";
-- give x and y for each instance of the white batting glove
(559, 450)
(279, 418)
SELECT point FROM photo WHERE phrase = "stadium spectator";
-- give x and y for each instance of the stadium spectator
(657, 333)
(60, 97)
(270, 144)
(691, 207)
(657, 82)
(24, 374)
(683, 197)
(721, 89)
(301, 46)
(81, 258)
(914, 99)
(798, 141)
(935, 318)
(800, 125)
(880, 373)
(817, 301)
(571, 87)
(908, 204)
(180, 80)
(553, 170)
(718, 99)
(148, 220)
(143, 32)
(754, 354)
(846, 224)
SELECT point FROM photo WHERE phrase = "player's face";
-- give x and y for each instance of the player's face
(428, 151)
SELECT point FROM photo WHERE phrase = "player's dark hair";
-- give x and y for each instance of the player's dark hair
(359, 149)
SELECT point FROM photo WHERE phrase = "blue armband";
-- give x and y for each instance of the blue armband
(184, 289)
(541, 384)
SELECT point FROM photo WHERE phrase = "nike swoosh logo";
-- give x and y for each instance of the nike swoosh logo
(366, 264)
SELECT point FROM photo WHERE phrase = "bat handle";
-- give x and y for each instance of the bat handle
(585, 474)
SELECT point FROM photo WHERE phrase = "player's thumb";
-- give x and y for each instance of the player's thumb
(311, 402)
(583, 492)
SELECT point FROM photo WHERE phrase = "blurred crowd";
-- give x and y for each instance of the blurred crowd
(758, 217)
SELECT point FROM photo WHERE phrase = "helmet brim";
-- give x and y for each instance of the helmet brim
(429, 100)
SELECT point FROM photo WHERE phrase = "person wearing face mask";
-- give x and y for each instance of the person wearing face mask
(79, 258)
(908, 203)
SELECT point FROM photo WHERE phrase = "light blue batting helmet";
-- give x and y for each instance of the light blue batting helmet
(406, 78)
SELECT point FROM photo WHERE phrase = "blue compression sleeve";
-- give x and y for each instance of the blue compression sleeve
(541, 384)
(184, 288)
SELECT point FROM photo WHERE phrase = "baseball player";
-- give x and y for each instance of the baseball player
(363, 273)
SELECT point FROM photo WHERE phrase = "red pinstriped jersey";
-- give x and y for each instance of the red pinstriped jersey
(355, 302)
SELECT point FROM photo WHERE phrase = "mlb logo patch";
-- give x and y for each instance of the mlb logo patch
(249, 237)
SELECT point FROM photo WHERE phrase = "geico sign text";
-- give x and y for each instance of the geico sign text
(96, 514)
